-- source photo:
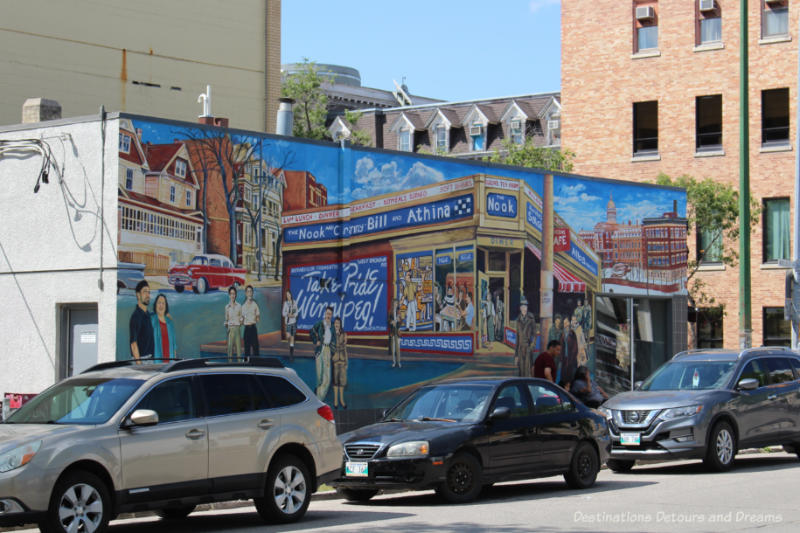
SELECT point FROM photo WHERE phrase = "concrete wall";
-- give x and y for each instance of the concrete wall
(84, 54)
(50, 246)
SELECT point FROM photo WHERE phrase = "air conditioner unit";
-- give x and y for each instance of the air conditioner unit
(775, 2)
(553, 125)
(645, 13)
(475, 129)
(706, 5)
(516, 124)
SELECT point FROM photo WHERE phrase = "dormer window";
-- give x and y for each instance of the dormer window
(441, 138)
(180, 168)
(478, 136)
(404, 140)
(517, 134)
(124, 143)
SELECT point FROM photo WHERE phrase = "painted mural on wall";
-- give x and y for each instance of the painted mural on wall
(371, 272)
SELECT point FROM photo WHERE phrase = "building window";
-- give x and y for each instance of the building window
(775, 116)
(709, 245)
(441, 138)
(646, 26)
(777, 230)
(124, 143)
(517, 136)
(708, 123)
(777, 331)
(188, 198)
(405, 141)
(180, 168)
(172, 194)
(774, 18)
(645, 127)
(709, 22)
(476, 133)
(129, 179)
(709, 327)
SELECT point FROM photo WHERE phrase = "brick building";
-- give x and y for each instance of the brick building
(303, 191)
(653, 86)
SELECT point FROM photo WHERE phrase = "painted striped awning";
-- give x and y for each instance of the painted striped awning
(567, 282)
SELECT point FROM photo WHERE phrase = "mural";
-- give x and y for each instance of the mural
(370, 272)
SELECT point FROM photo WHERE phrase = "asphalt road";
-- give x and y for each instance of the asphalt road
(760, 493)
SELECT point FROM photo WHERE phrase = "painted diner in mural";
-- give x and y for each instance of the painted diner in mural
(371, 272)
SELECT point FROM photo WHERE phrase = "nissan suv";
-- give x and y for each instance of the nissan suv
(708, 404)
(126, 436)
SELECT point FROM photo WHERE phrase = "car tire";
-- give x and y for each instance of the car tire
(178, 288)
(357, 495)
(583, 468)
(202, 286)
(175, 513)
(720, 448)
(287, 493)
(792, 448)
(462, 479)
(620, 466)
(80, 496)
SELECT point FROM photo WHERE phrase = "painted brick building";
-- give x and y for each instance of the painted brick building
(653, 86)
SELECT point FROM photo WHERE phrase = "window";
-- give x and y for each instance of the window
(777, 331)
(548, 400)
(774, 18)
(646, 25)
(709, 245)
(709, 25)
(645, 127)
(513, 397)
(708, 122)
(775, 116)
(516, 131)
(227, 393)
(404, 143)
(780, 370)
(188, 198)
(172, 400)
(709, 327)
(777, 230)
(172, 194)
(180, 168)
(129, 179)
(755, 369)
(281, 392)
(478, 137)
(124, 143)
(441, 138)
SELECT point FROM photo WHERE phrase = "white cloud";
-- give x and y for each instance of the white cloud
(370, 180)
(536, 5)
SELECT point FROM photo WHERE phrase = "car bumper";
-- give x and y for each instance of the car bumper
(21, 518)
(682, 439)
(409, 474)
(183, 281)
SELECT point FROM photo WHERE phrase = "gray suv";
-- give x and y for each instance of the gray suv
(124, 437)
(708, 404)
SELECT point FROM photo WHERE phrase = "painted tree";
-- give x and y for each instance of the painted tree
(528, 154)
(311, 102)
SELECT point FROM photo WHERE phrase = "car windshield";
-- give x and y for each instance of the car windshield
(690, 375)
(77, 401)
(198, 260)
(455, 403)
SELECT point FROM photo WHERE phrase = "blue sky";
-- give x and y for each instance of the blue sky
(448, 49)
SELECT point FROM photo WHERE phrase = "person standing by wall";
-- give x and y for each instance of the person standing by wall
(250, 317)
(526, 329)
(324, 338)
(339, 364)
(289, 313)
(165, 342)
(141, 327)
(545, 365)
(233, 322)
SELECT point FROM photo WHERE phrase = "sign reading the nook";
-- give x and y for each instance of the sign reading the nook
(501, 205)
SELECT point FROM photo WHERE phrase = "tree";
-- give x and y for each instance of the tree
(528, 154)
(311, 102)
(357, 137)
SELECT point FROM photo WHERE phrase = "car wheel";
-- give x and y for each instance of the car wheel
(80, 502)
(721, 448)
(175, 513)
(584, 467)
(202, 286)
(620, 465)
(792, 448)
(463, 479)
(179, 288)
(287, 493)
(357, 495)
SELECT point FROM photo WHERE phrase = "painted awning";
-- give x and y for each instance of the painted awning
(567, 282)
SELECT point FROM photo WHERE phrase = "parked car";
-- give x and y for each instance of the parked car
(460, 436)
(124, 437)
(206, 271)
(708, 404)
(129, 275)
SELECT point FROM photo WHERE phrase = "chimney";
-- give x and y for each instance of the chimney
(285, 117)
(139, 134)
(39, 110)
(675, 207)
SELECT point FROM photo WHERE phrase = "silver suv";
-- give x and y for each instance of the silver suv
(708, 404)
(124, 437)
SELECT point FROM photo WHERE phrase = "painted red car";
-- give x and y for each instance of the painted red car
(206, 271)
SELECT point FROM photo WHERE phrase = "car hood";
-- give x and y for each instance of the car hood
(640, 400)
(13, 435)
(389, 432)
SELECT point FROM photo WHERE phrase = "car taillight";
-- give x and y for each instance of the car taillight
(326, 412)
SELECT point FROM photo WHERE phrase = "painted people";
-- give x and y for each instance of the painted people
(250, 317)
(526, 328)
(499, 313)
(141, 327)
(410, 300)
(394, 333)
(165, 342)
(487, 315)
(468, 314)
(324, 338)
(289, 313)
(233, 323)
(572, 342)
(339, 360)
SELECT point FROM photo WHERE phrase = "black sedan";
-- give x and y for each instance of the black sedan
(460, 436)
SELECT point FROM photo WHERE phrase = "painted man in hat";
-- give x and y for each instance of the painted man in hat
(526, 329)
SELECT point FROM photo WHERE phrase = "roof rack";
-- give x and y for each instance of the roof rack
(206, 362)
(126, 362)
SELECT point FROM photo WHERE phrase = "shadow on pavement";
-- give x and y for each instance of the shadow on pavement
(743, 463)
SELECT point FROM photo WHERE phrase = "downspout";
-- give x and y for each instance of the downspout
(266, 66)
(102, 189)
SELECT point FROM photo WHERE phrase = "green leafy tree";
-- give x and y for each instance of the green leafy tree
(528, 154)
(311, 102)
(357, 137)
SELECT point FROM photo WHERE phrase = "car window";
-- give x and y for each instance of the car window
(755, 369)
(227, 394)
(281, 392)
(512, 396)
(172, 400)
(547, 399)
(780, 370)
(796, 366)
(215, 263)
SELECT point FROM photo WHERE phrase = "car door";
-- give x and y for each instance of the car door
(754, 415)
(508, 446)
(556, 423)
(215, 276)
(239, 424)
(783, 390)
(170, 458)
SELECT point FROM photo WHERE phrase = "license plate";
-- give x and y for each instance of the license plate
(356, 469)
(630, 439)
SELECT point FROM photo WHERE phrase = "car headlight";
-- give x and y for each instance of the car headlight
(680, 412)
(416, 448)
(19, 456)
(606, 412)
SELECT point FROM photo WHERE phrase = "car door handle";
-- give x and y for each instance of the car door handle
(265, 423)
(195, 434)
(772, 396)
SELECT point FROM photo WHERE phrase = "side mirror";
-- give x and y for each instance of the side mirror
(637, 385)
(499, 413)
(141, 417)
(747, 384)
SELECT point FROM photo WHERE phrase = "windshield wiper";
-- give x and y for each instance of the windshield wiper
(393, 419)
(429, 419)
